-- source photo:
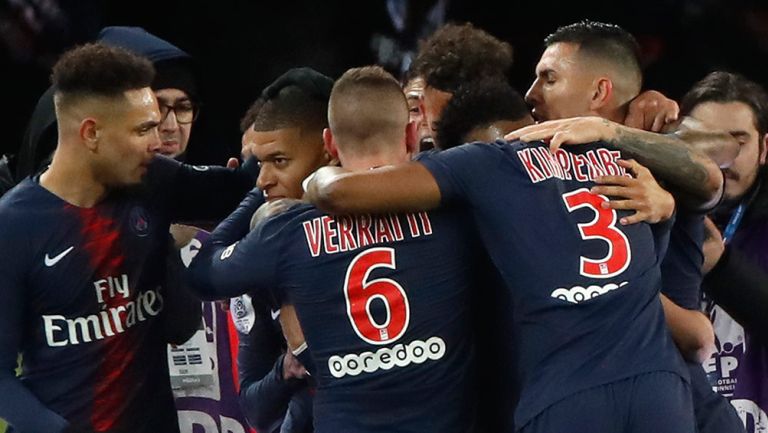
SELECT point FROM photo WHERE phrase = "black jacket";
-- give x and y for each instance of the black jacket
(739, 281)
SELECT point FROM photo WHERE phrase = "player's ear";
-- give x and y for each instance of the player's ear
(89, 133)
(412, 137)
(330, 144)
(763, 147)
(601, 94)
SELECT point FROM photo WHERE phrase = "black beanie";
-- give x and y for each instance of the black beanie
(175, 74)
(307, 79)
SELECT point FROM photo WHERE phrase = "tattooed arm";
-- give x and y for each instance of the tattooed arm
(719, 145)
(690, 175)
(694, 179)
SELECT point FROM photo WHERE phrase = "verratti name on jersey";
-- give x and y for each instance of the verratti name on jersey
(337, 234)
(120, 312)
(541, 164)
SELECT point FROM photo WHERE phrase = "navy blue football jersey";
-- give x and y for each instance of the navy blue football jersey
(585, 288)
(383, 302)
(82, 300)
(681, 268)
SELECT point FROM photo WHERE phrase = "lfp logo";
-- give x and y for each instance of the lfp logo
(730, 343)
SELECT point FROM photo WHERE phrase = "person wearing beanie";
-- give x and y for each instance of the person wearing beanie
(174, 85)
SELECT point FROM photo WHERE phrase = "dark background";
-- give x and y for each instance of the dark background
(242, 45)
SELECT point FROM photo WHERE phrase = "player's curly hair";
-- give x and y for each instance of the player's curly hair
(101, 70)
(476, 104)
(456, 54)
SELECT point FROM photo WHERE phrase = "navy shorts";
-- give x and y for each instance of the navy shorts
(658, 402)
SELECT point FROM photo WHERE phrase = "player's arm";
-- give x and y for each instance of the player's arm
(265, 392)
(233, 261)
(691, 330)
(694, 179)
(681, 276)
(201, 193)
(652, 111)
(398, 188)
(720, 146)
(182, 312)
(18, 406)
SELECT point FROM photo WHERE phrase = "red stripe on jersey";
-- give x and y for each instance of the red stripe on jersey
(101, 240)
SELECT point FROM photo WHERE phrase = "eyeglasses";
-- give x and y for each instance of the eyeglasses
(185, 112)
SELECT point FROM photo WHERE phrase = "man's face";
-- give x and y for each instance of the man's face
(287, 157)
(414, 94)
(738, 119)
(128, 140)
(563, 86)
(434, 104)
(173, 134)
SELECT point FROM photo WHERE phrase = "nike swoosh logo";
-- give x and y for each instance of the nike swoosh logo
(275, 314)
(52, 261)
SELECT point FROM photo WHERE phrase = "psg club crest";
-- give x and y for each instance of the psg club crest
(139, 221)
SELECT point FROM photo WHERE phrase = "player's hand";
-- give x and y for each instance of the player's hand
(713, 247)
(576, 130)
(233, 163)
(292, 368)
(182, 235)
(314, 183)
(640, 193)
(272, 208)
(651, 111)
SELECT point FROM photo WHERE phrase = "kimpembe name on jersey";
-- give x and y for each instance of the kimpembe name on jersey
(337, 234)
(119, 312)
(541, 164)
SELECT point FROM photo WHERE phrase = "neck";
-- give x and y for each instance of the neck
(70, 179)
(361, 163)
(617, 114)
(387, 155)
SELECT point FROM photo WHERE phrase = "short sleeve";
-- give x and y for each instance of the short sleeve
(459, 170)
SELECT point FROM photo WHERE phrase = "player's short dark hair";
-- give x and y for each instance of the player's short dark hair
(296, 99)
(366, 102)
(291, 107)
(476, 104)
(369, 77)
(724, 87)
(96, 69)
(456, 54)
(605, 41)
